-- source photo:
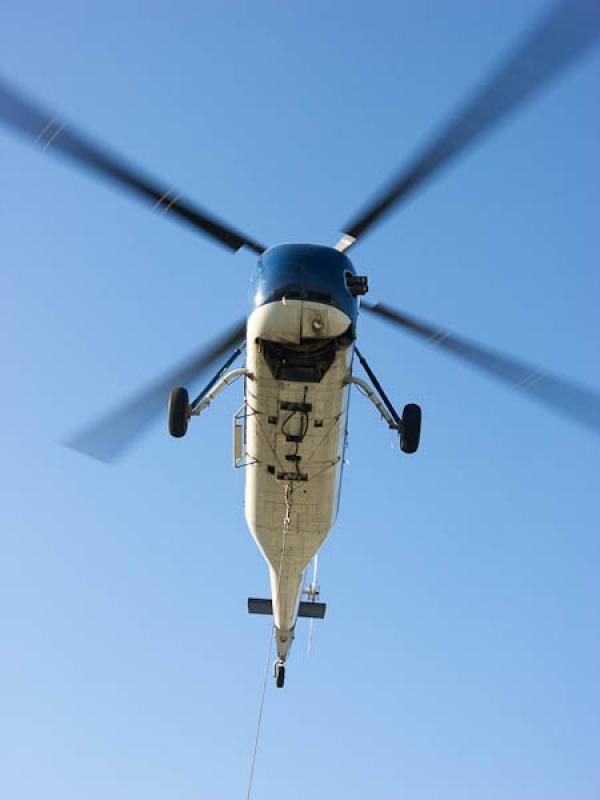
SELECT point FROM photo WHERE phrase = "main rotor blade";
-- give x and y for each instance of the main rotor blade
(47, 131)
(579, 403)
(561, 36)
(117, 430)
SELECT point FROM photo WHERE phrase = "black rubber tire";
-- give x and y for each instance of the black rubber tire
(411, 428)
(179, 409)
(279, 676)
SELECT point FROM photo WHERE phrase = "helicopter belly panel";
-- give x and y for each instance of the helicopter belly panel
(295, 438)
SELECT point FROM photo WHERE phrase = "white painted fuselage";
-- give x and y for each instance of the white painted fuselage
(295, 439)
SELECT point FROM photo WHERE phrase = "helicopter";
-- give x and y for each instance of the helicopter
(299, 341)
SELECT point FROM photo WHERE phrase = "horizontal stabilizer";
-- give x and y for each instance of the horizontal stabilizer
(258, 605)
(312, 610)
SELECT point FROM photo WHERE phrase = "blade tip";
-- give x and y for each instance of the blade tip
(345, 242)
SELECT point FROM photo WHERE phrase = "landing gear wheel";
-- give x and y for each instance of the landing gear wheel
(411, 428)
(179, 412)
(279, 670)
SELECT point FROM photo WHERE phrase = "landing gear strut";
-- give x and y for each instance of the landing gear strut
(180, 408)
(408, 426)
(279, 673)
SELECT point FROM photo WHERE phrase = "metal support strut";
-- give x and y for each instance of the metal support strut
(379, 388)
(408, 425)
(372, 396)
(205, 400)
(215, 378)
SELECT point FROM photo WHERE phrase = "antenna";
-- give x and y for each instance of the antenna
(312, 593)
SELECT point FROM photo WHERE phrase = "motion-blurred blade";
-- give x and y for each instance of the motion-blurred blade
(50, 133)
(561, 36)
(579, 403)
(115, 432)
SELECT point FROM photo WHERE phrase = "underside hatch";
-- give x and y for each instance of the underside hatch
(307, 362)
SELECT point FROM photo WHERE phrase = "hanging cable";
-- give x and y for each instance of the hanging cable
(260, 713)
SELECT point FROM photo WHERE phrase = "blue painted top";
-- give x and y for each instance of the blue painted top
(303, 272)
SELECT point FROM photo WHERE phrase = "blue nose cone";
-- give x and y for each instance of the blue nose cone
(304, 272)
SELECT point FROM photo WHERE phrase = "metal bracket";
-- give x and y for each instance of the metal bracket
(241, 457)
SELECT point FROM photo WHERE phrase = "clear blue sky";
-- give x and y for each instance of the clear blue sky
(461, 650)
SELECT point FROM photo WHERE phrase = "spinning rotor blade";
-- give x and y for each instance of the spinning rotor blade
(579, 403)
(107, 438)
(560, 37)
(46, 130)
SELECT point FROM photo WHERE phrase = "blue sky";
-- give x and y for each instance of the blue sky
(461, 649)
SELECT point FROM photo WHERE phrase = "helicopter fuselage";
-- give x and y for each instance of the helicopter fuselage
(299, 351)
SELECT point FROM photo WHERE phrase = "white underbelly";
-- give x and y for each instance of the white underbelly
(295, 438)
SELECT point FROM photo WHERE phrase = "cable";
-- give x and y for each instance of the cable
(260, 713)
